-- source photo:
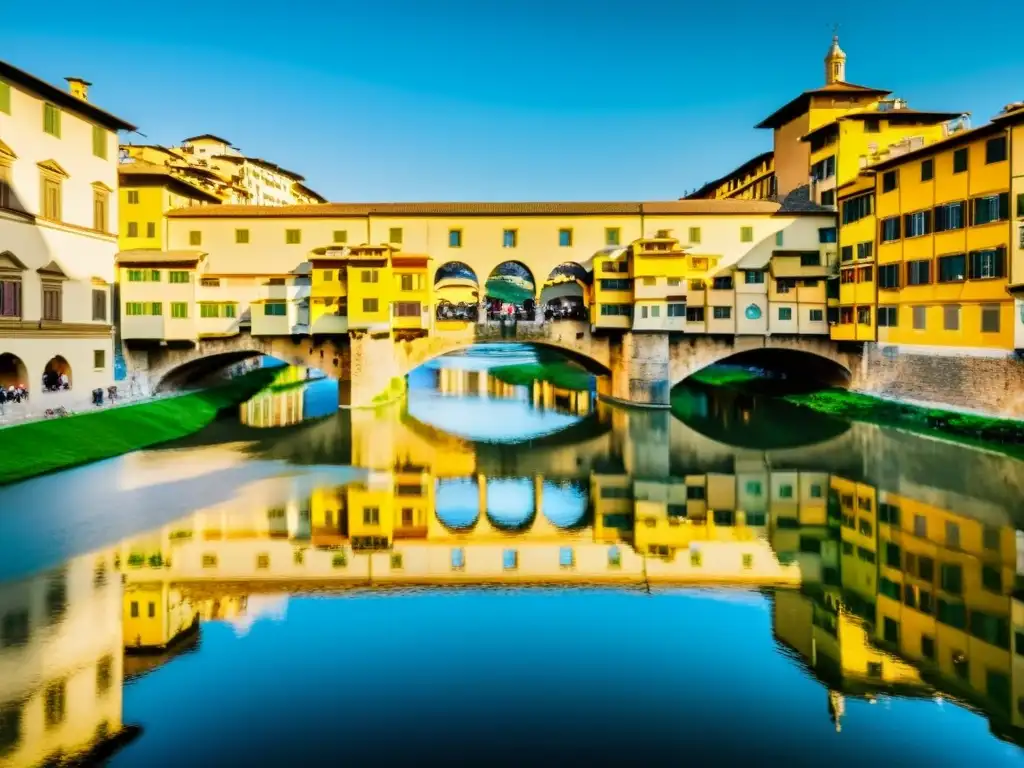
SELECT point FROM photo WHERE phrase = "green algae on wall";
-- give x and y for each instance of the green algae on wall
(38, 447)
(558, 373)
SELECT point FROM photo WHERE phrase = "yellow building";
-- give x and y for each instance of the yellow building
(854, 317)
(943, 243)
(147, 191)
(754, 180)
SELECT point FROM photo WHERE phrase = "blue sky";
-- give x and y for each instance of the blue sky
(464, 100)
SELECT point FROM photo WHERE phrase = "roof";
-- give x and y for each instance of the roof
(957, 139)
(143, 256)
(663, 208)
(1011, 114)
(262, 163)
(62, 98)
(904, 115)
(801, 103)
(210, 136)
(151, 170)
(303, 189)
(738, 171)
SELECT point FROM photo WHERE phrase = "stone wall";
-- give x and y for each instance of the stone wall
(640, 369)
(991, 385)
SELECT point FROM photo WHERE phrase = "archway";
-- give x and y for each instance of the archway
(456, 292)
(457, 503)
(57, 374)
(511, 284)
(13, 372)
(565, 503)
(200, 370)
(565, 293)
(772, 370)
(511, 504)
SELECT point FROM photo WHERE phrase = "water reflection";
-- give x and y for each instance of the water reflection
(888, 566)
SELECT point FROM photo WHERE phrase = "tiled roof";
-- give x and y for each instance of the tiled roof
(800, 104)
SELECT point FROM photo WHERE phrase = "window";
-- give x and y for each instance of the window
(695, 235)
(51, 204)
(872, 125)
(275, 309)
(565, 238)
(677, 310)
(241, 236)
(99, 141)
(746, 234)
(340, 236)
(846, 253)
(810, 259)
(395, 235)
(949, 216)
(617, 310)
(51, 120)
(566, 557)
(917, 224)
(407, 309)
(952, 269)
(410, 282)
(5, 98)
(816, 316)
(989, 318)
(785, 313)
(779, 238)
(6, 185)
(890, 229)
(988, 263)
(209, 310)
(723, 283)
(890, 180)
(989, 209)
(960, 160)
(856, 208)
(845, 315)
(195, 237)
(179, 310)
(230, 310)
(863, 315)
(753, 277)
(608, 284)
(828, 197)
(918, 317)
(52, 301)
(55, 706)
(1020, 208)
(827, 235)
(454, 238)
(150, 229)
(995, 150)
(889, 276)
(887, 317)
(99, 359)
(371, 305)
(695, 314)
(509, 238)
(847, 276)
(179, 276)
(722, 313)
(824, 168)
(919, 272)
(133, 197)
(612, 235)
(99, 304)
(292, 236)
(865, 275)
(951, 317)
(369, 276)
(99, 209)
(133, 229)
(927, 169)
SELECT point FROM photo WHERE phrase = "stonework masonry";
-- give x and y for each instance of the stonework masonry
(986, 384)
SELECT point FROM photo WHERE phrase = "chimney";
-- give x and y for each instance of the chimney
(79, 88)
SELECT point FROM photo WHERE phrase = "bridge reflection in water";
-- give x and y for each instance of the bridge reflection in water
(889, 571)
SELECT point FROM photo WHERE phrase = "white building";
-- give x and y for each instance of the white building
(58, 222)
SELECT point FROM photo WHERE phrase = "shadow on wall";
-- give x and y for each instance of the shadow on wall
(206, 370)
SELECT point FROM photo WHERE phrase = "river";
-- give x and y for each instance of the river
(491, 574)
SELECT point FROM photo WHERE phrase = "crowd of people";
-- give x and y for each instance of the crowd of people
(55, 382)
(13, 394)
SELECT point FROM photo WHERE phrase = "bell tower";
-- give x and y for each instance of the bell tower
(835, 63)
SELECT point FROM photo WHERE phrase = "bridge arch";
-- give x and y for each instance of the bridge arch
(805, 358)
(512, 281)
(566, 292)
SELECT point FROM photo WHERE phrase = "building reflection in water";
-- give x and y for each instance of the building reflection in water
(874, 592)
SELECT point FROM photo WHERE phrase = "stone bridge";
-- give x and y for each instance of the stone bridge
(642, 367)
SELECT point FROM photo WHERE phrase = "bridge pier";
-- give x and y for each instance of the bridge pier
(640, 366)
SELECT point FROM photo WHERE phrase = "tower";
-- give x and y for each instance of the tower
(835, 63)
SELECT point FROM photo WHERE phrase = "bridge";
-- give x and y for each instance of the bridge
(642, 367)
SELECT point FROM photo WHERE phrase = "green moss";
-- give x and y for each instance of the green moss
(1003, 435)
(396, 388)
(27, 450)
(724, 376)
(560, 373)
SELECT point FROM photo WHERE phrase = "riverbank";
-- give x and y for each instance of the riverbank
(558, 373)
(1003, 435)
(36, 448)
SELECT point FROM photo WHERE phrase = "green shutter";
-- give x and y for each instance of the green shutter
(5, 97)
(99, 141)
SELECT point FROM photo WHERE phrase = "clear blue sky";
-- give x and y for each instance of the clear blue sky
(485, 100)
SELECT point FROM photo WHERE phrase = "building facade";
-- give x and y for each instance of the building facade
(58, 233)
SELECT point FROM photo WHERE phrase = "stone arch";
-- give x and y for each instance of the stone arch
(511, 503)
(456, 291)
(199, 368)
(511, 281)
(835, 367)
(13, 372)
(572, 506)
(457, 503)
(53, 372)
(565, 293)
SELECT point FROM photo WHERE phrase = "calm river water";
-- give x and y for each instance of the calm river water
(488, 574)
